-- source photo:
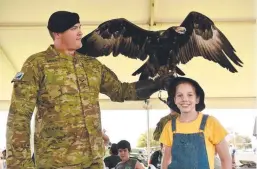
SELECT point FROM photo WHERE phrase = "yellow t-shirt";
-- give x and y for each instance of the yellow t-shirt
(214, 133)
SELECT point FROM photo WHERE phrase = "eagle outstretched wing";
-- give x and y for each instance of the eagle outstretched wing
(118, 36)
(203, 38)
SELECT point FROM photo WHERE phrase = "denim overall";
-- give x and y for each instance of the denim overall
(188, 150)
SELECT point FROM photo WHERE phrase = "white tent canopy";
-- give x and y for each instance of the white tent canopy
(23, 32)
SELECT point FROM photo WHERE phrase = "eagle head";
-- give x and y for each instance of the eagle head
(180, 29)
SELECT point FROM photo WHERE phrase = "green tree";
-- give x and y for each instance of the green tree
(142, 140)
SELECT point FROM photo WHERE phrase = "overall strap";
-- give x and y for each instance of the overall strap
(173, 123)
(203, 122)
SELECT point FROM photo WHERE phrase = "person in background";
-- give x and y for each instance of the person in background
(4, 154)
(162, 122)
(112, 160)
(124, 150)
(105, 138)
(3, 160)
(156, 158)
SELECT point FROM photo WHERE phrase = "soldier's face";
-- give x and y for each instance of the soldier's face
(72, 37)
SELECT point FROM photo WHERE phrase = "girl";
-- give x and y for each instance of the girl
(191, 139)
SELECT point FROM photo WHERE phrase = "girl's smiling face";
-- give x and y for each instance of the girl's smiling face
(186, 98)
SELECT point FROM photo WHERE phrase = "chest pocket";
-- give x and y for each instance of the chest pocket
(54, 80)
(59, 79)
(55, 77)
(92, 75)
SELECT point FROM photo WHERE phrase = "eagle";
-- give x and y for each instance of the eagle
(196, 36)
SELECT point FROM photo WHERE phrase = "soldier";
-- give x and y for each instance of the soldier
(64, 86)
(162, 122)
(160, 125)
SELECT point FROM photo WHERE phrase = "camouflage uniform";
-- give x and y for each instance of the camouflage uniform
(160, 125)
(65, 91)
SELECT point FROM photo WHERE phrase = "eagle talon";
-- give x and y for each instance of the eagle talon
(155, 77)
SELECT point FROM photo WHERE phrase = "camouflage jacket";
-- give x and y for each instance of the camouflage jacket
(65, 90)
(161, 124)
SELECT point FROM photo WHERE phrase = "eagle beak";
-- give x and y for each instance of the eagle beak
(180, 30)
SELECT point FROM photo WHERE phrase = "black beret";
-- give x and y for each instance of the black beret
(171, 88)
(61, 21)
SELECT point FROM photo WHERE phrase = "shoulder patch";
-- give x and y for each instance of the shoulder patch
(18, 76)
